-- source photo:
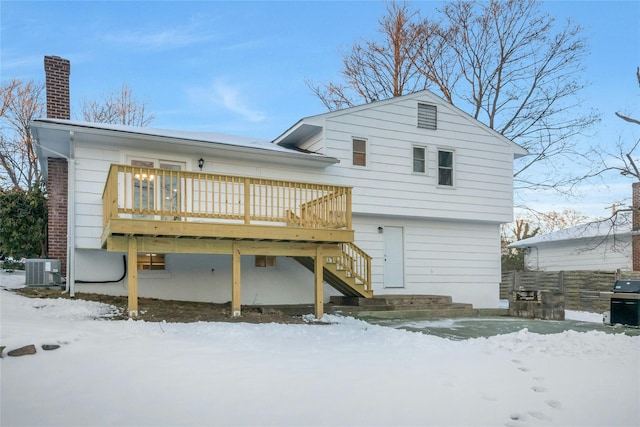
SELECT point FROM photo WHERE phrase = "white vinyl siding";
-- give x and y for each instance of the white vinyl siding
(427, 116)
(483, 175)
(600, 253)
(441, 257)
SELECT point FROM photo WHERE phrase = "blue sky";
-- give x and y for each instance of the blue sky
(240, 67)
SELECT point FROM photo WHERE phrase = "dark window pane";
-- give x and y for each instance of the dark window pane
(445, 177)
(418, 160)
(445, 159)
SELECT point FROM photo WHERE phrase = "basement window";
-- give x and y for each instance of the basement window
(265, 261)
(151, 262)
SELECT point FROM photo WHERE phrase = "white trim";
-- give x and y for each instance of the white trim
(425, 172)
(367, 152)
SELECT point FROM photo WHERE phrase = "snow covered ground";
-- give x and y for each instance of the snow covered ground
(349, 373)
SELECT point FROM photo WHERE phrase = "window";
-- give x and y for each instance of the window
(157, 192)
(265, 261)
(359, 152)
(445, 167)
(419, 160)
(143, 186)
(150, 261)
(427, 116)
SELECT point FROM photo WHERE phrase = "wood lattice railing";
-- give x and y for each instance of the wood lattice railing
(163, 194)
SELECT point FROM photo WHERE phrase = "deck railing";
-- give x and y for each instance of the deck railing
(151, 193)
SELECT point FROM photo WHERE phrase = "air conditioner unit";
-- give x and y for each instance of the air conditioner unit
(42, 272)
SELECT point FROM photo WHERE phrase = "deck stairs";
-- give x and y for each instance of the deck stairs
(340, 274)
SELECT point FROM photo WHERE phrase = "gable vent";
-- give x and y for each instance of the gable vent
(427, 116)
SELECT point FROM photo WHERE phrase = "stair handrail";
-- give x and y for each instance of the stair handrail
(357, 262)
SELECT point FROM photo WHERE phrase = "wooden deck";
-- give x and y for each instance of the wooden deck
(172, 211)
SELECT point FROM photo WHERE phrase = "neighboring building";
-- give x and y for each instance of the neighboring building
(599, 245)
(418, 185)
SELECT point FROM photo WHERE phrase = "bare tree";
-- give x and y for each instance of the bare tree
(375, 70)
(20, 102)
(533, 223)
(118, 108)
(622, 160)
(627, 118)
(504, 62)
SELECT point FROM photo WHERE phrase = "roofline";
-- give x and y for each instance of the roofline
(109, 130)
(535, 243)
(519, 151)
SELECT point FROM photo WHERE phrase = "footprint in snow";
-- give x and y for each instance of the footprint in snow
(553, 404)
(488, 397)
(539, 416)
(516, 420)
(539, 389)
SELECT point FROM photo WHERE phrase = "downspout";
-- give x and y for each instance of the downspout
(71, 218)
(71, 233)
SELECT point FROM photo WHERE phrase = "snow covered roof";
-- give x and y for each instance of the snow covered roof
(619, 225)
(58, 141)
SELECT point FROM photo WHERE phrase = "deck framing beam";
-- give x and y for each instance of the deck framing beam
(212, 230)
(210, 246)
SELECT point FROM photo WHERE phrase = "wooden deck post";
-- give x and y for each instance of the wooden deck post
(319, 298)
(132, 280)
(235, 279)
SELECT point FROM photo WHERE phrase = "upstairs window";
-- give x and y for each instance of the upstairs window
(359, 152)
(427, 116)
(419, 160)
(445, 168)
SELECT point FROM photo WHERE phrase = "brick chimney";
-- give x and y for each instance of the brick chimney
(635, 245)
(57, 71)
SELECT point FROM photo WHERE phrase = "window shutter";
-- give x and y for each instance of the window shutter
(427, 116)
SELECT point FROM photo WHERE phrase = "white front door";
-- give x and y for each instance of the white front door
(393, 257)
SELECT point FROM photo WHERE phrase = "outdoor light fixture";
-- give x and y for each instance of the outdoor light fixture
(201, 163)
(380, 230)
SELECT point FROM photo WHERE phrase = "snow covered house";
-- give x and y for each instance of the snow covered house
(599, 245)
(402, 196)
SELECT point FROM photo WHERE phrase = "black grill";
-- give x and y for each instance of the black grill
(625, 304)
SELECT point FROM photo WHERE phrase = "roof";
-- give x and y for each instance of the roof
(619, 225)
(52, 139)
(309, 126)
